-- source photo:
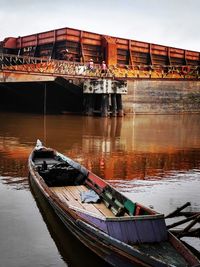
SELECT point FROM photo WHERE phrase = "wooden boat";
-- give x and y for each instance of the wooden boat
(122, 232)
(68, 246)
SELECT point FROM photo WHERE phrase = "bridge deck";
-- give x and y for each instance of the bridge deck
(51, 67)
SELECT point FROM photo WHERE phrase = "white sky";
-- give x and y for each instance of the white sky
(174, 23)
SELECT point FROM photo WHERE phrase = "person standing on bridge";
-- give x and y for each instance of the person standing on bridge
(66, 55)
(91, 65)
(103, 67)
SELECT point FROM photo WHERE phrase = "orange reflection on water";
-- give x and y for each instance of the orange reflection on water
(115, 148)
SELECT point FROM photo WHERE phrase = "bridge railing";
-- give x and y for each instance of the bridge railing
(48, 66)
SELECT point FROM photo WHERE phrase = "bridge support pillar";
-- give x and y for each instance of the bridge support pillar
(89, 104)
(113, 105)
(119, 106)
(104, 105)
(110, 91)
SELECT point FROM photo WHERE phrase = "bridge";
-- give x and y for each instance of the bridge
(63, 55)
(15, 64)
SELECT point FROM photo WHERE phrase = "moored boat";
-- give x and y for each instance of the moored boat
(121, 231)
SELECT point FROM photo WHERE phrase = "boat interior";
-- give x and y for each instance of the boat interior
(68, 182)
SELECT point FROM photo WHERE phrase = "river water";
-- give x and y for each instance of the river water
(154, 160)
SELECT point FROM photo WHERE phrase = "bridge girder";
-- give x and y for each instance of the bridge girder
(14, 68)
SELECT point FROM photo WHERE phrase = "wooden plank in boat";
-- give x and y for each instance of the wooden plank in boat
(66, 196)
(59, 193)
(61, 196)
(104, 210)
(75, 191)
(100, 206)
(73, 200)
(71, 195)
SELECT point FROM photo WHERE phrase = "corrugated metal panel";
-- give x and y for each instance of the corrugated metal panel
(137, 52)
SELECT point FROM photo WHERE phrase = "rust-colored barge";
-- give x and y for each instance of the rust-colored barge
(80, 46)
(62, 56)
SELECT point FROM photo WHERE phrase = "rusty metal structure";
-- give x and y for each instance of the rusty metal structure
(10, 63)
(124, 58)
(63, 55)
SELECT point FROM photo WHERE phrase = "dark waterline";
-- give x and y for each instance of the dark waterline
(154, 160)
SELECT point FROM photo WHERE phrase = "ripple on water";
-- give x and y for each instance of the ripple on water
(17, 183)
(174, 177)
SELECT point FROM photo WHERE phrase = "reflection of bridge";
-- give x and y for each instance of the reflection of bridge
(65, 53)
(116, 148)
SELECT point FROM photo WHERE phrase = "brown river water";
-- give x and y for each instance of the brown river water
(153, 159)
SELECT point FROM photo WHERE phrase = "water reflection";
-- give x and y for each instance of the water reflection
(17, 183)
(121, 150)
(155, 160)
(115, 148)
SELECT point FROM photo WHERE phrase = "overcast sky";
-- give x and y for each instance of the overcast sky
(174, 23)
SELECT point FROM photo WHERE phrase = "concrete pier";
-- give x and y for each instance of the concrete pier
(89, 105)
(113, 105)
(105, 105)
(111, 92)
(119, 105)
(162, 97)
(103, 97)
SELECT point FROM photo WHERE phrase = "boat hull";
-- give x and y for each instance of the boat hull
(112, 250)
(99, 246)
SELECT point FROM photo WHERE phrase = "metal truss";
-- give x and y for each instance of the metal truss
(69, 69)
